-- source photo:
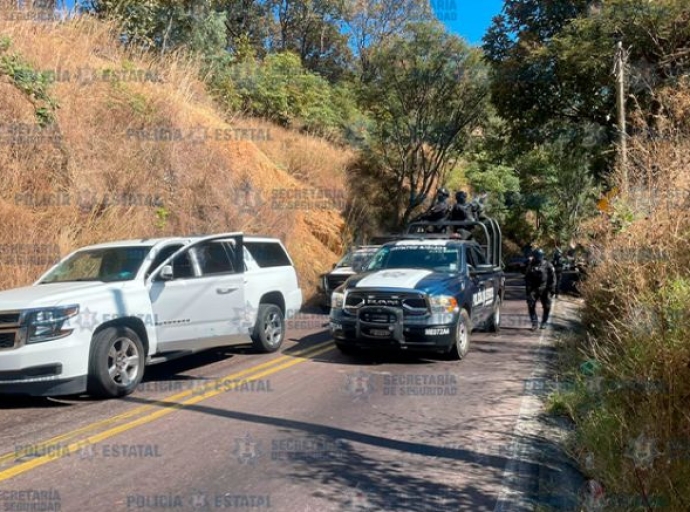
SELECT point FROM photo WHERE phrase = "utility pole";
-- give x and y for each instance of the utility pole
(619, 70)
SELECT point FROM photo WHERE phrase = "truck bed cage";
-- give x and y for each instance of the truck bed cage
(461, 230)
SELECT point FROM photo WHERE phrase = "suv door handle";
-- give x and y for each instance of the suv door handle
(223, 291)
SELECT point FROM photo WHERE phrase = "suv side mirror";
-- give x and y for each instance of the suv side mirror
(166, 273)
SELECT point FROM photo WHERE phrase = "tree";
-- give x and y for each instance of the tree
(552, 65)
(530, 87)
(312, 30)
(558, 186)
(164, 25)
(371, 22)
(426, 92)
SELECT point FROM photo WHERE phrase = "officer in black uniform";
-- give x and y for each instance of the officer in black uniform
(439, 211)
(441, 208)
(558, 263)
(540, 284)
(461, 210)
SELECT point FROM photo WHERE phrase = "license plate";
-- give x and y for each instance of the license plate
(379, 332)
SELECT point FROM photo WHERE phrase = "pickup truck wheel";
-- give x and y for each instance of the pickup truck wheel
(116, 364)
(269, 330)
(461, 343)
(494, 323)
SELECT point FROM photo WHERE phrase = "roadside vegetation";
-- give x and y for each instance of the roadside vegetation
(625, 382)
(633, 368)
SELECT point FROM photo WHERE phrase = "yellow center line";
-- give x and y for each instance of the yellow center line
(170, 408)
(144, 408)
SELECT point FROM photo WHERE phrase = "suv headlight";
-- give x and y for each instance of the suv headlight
(443, 304)
(47, 324)
(337, 300)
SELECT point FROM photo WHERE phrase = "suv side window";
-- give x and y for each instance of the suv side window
(163, 255)
(268, 254)
(213, 258)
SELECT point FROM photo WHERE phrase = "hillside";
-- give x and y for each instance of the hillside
(137, 148)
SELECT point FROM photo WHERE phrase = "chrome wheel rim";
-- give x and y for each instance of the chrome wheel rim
(462, 337)
(273, 329)
(123, 362)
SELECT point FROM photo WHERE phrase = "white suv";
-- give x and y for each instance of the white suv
(95, 319)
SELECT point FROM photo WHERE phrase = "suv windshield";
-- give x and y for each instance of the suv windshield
(438, 258)
(352, 258)
(107, 265)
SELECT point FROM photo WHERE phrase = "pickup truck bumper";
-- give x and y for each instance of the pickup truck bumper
(51, 368)
(369, 330)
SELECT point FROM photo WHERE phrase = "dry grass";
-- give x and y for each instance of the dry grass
(205, 183)
(633, 434)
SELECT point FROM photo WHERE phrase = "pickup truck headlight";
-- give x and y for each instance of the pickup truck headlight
(443, 304)
(48, 323)
(337, 300)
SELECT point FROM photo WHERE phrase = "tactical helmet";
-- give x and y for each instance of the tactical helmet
(442, 193)
(538, 255)
(461, 196)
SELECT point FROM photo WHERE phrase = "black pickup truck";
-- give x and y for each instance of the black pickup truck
(427, 290)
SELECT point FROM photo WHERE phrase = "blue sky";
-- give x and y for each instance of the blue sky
(467, 18)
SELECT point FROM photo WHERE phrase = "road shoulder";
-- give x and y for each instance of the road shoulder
(539, 439)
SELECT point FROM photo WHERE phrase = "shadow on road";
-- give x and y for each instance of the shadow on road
(347, 476)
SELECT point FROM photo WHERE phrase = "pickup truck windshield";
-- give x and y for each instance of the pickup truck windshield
(106, 265)
(431, 257)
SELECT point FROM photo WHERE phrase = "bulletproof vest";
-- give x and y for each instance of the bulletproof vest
(461, 212)
(438, 212)
(537, 275)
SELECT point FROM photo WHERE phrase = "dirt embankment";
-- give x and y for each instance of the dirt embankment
(134, 147)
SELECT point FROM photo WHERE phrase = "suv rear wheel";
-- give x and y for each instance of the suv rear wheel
(269, 330)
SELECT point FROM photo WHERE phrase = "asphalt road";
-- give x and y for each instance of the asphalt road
(306, 429)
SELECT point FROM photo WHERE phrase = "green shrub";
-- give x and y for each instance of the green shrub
(32, 83)
(280, 89)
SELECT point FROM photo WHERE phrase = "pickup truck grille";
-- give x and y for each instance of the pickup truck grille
(334, 281)
(412, 304)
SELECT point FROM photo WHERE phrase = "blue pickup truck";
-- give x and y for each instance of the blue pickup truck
(427, 290)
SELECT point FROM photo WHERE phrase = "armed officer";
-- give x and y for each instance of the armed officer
(558, 262)
(461, 210)
(540, 284)
(441, 207)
